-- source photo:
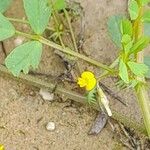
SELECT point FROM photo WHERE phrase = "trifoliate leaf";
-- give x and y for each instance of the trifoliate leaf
(38, 13)
(137, 68)
(7, 30)
(147, 62)
(123, 71)
(133, 9)
(114, 29)
(142, 43)
(126, 27)
(24, 56)
(4, 4)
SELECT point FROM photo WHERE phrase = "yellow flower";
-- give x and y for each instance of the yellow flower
(1, 147)
(87, 80)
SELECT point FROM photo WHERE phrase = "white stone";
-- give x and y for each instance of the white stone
(46, 95)
(50, 126)
(18, 41)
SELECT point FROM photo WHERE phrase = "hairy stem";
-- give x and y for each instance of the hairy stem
(66, 50)
(141, 91)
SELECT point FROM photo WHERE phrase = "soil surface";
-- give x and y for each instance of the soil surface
(24, 114)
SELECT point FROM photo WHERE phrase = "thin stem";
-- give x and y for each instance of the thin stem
(57, 24)
(71, 30)
(18, 20)
(26, 22)
(142, 94)
(66, 50)
(106, 73)
(144, 103)
(72, 36)
(56, 20)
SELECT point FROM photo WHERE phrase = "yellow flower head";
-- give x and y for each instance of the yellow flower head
(1, 147)
(87, 80)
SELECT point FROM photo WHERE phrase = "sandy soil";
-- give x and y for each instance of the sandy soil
(24, 114)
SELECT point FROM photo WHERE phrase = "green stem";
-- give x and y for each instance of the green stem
(106, 73)
(73, 37)
(57, 24)
(144, 103)
(66, 50)
(56, 20)
(71, 30)
(18, 20)
(142, 94)
(26, 22)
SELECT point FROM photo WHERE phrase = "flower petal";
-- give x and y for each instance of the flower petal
(81, 82)
(87, 75)
(91, 84)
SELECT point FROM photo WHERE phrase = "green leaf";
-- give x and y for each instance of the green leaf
(147, 29)
(114, 29)
(24, 56)
(4, 4)
(137, 68)
(146, 16)
(126, 39)
(127, 43)
(147, 62)
(145, 2)
(142, 43)
(58, 4)
(126, 27)
(7, 30)
(91, 96)
(123, 71)
(133, 9)
(38, 13)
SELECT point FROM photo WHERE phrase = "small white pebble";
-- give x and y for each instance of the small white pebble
(50, 126)
(18, 41)
(46, 95)
(63, 113)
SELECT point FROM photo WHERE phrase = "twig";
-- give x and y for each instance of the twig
(111, 93)
(127, 145)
